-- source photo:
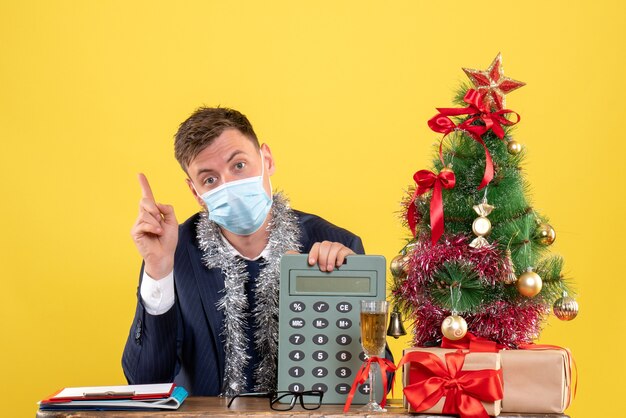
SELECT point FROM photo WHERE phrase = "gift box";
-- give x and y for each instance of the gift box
(536, 380)
(452, 381)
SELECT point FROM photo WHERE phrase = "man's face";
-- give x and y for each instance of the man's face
(231, 156)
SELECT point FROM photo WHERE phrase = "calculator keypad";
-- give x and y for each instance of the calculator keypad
(341, 355)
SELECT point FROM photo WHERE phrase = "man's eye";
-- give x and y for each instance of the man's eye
(209, 180)
(240, 165)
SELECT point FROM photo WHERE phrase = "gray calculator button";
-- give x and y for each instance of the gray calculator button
(320, 306)
(296, 372)
(296, 322)
(344, 323)
(320, 323)
(320, 372)
(296, 339)
(321, 387)
(343, 372)
(362, 356)
(342, 388)
(344, 356)
(320, 339)
(343, 339)
(297, 306)
(365, 388)
(296, 387)
(320, 355)
(344, 307)
(296, 355)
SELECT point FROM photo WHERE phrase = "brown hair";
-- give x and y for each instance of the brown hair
(203, 126)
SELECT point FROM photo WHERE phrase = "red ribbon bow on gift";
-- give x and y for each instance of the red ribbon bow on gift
(464, 390)
(478, 110)
(473, 343)
(427, 180)
(363, 374)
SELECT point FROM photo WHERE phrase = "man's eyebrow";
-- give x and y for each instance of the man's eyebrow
(204, 170)
(230, 158)
(234, 154)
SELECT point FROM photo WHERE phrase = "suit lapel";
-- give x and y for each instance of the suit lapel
(210, 285)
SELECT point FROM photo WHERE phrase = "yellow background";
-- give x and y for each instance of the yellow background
(91, 93)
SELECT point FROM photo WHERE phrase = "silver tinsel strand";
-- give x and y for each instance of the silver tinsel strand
(284, 236)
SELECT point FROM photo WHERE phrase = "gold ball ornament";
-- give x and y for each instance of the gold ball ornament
(481, 226)
(529, 284)
(514, 147)
(399, 266)
(454, 327)
(545, 234)
(565, 308)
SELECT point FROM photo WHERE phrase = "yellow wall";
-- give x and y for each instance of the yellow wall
(91, 92)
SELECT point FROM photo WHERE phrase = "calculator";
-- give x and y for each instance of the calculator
(319, 345)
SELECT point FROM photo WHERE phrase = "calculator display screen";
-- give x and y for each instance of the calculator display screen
(344, 285)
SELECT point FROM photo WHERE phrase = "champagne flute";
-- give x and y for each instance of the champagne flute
(373, 335)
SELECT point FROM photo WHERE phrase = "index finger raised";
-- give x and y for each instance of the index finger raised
(146, 191)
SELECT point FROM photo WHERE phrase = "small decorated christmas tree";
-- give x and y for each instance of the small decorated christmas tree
(479, 256)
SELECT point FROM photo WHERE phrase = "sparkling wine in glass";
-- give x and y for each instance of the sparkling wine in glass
(373, 335)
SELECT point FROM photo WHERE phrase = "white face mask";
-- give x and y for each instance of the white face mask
(239, 206)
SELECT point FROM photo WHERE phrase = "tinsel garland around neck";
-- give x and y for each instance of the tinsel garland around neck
(284, 236)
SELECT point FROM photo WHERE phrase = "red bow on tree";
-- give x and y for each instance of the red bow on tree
(431, 379)
(478, 110)
(427, 180)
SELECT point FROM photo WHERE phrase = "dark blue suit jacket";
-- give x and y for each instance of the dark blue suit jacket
(184, 344)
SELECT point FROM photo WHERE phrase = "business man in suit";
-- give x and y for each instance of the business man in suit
(207, 309)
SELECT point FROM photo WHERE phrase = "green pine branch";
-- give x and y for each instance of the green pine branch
(550, 269)
(457, 286)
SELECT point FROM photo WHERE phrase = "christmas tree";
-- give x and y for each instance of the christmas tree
(479, 258)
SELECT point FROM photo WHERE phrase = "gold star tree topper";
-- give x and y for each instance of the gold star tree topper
(493, 84)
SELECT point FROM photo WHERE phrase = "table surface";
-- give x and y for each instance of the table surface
(196, 407)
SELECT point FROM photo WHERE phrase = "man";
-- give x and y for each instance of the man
(207, 307)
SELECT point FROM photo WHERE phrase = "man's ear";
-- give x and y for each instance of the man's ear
(268, 159)
(194, 192)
